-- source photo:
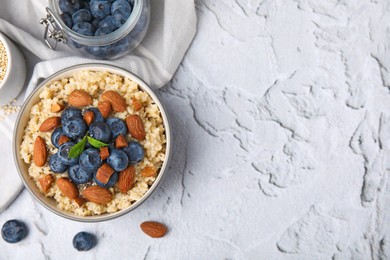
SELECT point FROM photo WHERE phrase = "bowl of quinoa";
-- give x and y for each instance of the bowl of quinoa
(94, 80)
(12, 70)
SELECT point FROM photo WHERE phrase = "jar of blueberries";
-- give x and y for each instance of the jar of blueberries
(102, 29)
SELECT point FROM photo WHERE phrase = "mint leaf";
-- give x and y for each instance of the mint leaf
(96, 143)
(78, 148)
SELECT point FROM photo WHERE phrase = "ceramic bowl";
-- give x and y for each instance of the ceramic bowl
(15, 75)
(24, 117)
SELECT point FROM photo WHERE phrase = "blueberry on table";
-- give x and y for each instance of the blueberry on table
(111, 182)
(100, 8)
(100, 131)
(108, 22)
(56, 165)
(78, 175)
(13, 231)
(75, 127)
(63, 154)
(70, 112)
(98, 115)
(90, 160)
(55, 136)
(134, 151)
(67, 19)
(82, 15)
(118, 127)
(118, 160)
(83, 28)
(84, 241)
(69, 6)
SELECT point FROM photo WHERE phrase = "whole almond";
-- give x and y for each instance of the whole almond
(148, 171)
(89, 116)
(79, 98)
(63, 139)
(50, 124)
(97, 194)
(136, 104)
(104, 173)
(126, 179)
(104, 153)
(136, 127)
(40, 152)
(46, 182)
(118, 103)
(154, 229)
(120, 142)
(104, 108)
(68, 188)
(57, 107)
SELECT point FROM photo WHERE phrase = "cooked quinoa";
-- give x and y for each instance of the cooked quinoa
(95, 83)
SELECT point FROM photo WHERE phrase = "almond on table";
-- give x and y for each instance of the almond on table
(154, 229)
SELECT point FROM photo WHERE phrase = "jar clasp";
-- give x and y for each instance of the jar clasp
(52, 30)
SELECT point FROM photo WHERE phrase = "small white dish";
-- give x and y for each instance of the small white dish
(15, 74)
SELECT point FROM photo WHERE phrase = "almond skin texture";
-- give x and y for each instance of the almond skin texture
(63, 139)
(118, 103)
(79, 201)
(89, 117)
(136, 104)
(79, 98)
(104, 173)
(104, 153)
(148, 171)
(50, 124)
(55, 108)
(40, 152)
(120, 142)
(126, 179)
(68, 188)
(104, 108)
(97, 195)
(154, 229)
(46, 182)
(136, 127)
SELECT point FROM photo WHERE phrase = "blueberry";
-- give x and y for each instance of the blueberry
(90, 160)
(84, 241)
(74, 127)
(70, 112)
(119, 5)
(134, 151)
(103, 31)
(111, 182)
(118, 127)
(63, 154)
(98, 115)
(100, 52)
(122, 46)
(82, 15)
(108, 22)
(100, 131)
(55, 136)
(118, 160)
(78, 175)
(56, 164)
(69, 6)
(13, 231)
(100, 8)
(83, 28)
(121, 16)
(67, 19)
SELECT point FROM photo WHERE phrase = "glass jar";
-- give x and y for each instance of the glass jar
(110, 46)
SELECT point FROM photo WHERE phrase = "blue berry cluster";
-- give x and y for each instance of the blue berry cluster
(83, 168)
(97, 18)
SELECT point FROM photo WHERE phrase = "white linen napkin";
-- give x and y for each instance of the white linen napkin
(171, 31)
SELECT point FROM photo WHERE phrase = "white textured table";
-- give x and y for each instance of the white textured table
(281, 119)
